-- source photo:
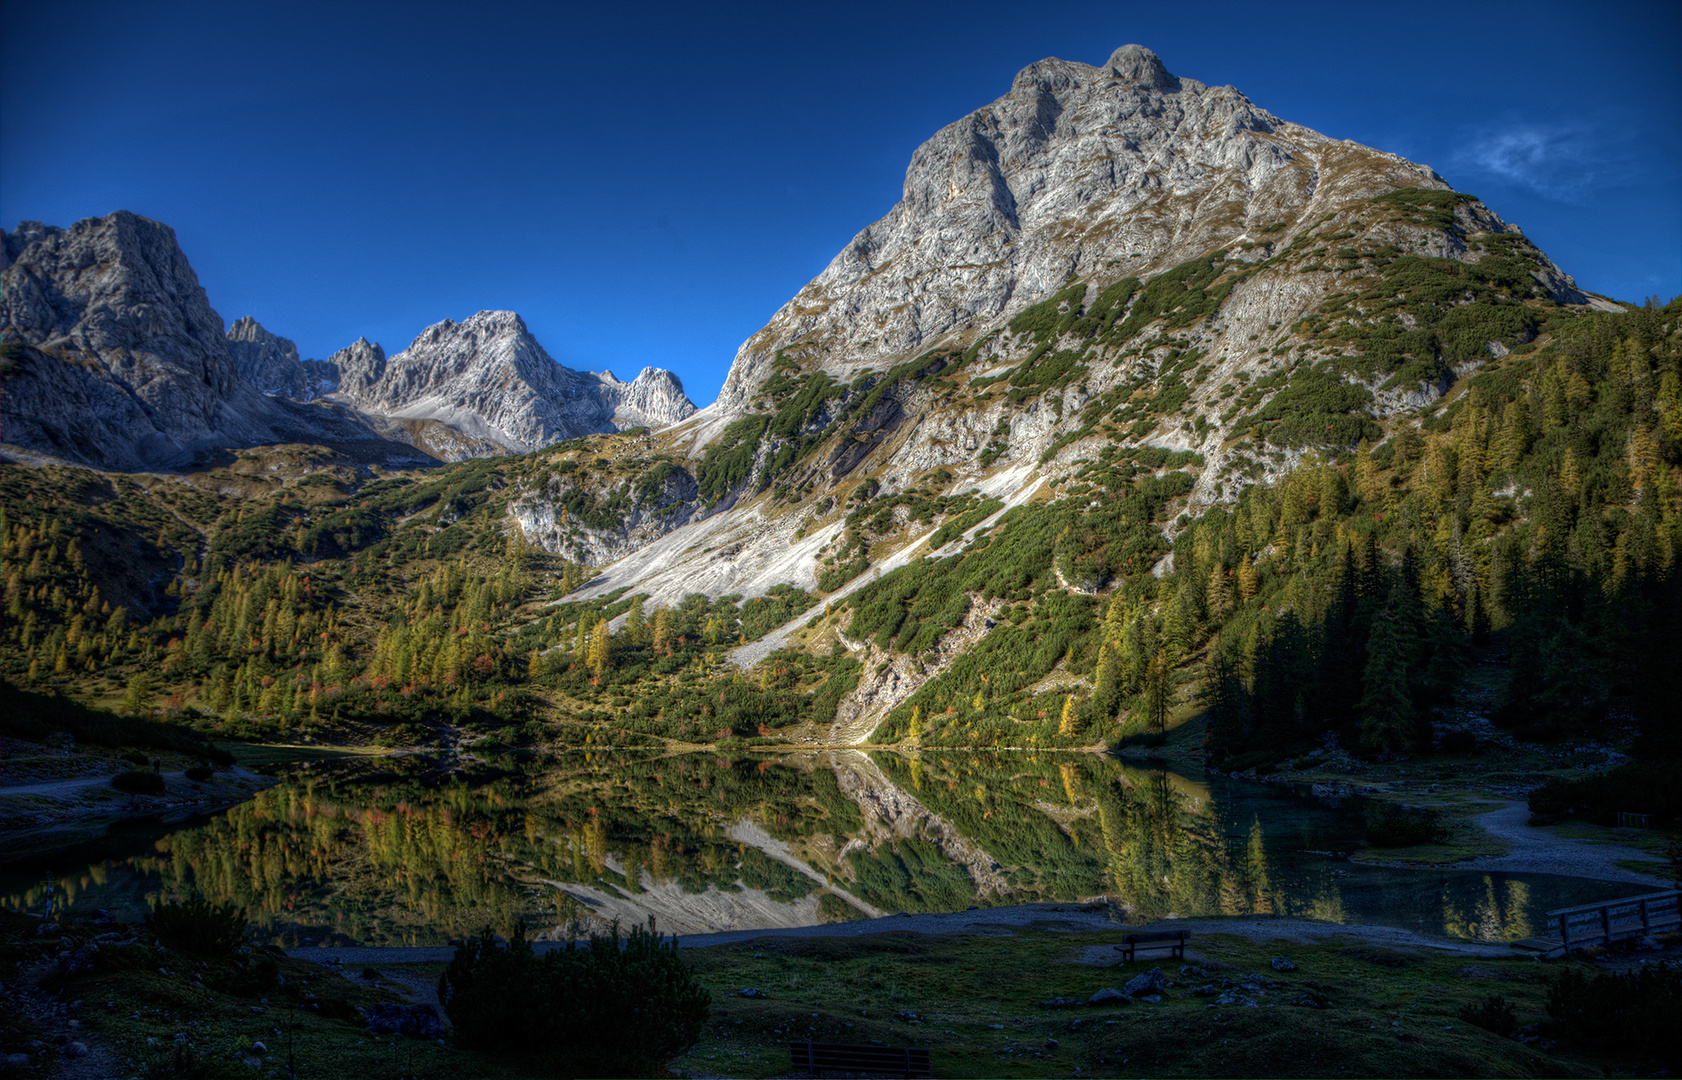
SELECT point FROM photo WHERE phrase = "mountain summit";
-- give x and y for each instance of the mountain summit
(1107, 262)
(490, 379)
(115, 358)
(1079, 172)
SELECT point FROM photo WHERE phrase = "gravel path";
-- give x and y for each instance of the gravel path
(75, 785)
(999, 921)
(72, 786)
(32, 813)
(1094, 917)
(1536, 851)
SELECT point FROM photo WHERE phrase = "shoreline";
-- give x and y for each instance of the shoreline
(1537, 852)
(44, 816)
(1079, 917)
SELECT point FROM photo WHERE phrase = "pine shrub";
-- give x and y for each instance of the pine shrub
(1403, 826)
(617, 1006)
(1494, 1014)
(198, 926)
(1633, 1011)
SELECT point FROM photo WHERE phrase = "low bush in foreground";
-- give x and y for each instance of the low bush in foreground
(1634, 1011)
(615, 1007)
(1494, 1014)
(199, 926)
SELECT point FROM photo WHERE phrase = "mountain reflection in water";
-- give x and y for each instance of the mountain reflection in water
(339, 853)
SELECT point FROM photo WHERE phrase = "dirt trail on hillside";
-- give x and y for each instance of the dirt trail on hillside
(72, 786)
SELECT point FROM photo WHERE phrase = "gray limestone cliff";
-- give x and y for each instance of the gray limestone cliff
(489, 379)
(269, 363)
(115, 359)
(1079, 171)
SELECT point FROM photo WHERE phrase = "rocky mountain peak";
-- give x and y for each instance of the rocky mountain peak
(123, 364)
(117, 282)
(655, 398)
(1097, 173)
(490, 379)
(1139, 66)
(359, 366)
(128, 360)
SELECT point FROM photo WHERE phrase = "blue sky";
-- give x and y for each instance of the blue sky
(648, 184)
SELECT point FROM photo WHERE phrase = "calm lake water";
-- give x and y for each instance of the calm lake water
(390, 853)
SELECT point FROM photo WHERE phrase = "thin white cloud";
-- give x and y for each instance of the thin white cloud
(1563, 163)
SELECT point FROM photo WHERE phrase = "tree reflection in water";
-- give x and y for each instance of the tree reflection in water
(339, 854)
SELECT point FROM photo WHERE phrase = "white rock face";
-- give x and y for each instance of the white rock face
(119, 361)
(655, 398)
(490, 379)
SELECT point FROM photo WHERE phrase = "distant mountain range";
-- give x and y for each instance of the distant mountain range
(116, 360)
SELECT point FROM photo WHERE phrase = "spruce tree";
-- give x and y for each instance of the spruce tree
(1387, 713)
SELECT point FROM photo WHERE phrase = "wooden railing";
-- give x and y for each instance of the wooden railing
(1616, 920)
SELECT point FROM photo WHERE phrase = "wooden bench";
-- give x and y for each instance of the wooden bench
(1173, 940)
(817, 1057)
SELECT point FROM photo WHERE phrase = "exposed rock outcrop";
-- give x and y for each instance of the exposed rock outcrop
(116, 359)
(644, 510)
(1079, 171)
(269, 363)
(489, 379)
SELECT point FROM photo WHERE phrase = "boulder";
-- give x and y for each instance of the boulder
(1151, 982)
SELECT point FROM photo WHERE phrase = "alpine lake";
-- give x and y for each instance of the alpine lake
(398, 851)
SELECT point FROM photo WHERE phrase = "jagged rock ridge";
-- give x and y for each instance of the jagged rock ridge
(489, 379)
(118, 361)
(269, 363)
